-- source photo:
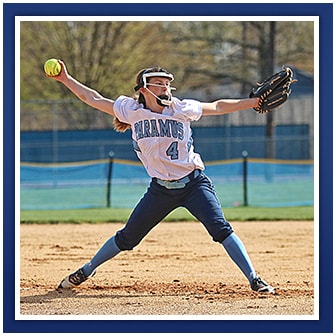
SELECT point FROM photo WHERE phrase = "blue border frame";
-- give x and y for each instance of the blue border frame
(325, 323)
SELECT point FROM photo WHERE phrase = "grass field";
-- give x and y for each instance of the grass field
(109, 215)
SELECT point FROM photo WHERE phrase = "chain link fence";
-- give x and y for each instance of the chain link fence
(72, 131)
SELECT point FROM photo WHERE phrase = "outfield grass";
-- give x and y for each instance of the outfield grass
(108, 215)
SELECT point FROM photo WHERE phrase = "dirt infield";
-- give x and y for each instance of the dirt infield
(176, 270)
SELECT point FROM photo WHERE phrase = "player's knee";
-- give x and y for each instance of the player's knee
(124, 242)
(221, 235)
(219, 230)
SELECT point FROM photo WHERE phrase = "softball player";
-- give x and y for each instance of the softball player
(162, 139)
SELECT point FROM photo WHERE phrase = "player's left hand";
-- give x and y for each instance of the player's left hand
(274, 90)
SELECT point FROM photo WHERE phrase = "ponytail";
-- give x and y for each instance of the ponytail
(120, 126)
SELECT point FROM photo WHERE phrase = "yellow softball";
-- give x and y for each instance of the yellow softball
(52, 67)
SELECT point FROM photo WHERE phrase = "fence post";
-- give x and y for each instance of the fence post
(109, 179)
(245, 155)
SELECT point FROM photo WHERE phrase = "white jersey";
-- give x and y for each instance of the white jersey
(163, 142)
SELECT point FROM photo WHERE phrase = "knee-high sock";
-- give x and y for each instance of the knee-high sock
(106, 252)
(236, 250)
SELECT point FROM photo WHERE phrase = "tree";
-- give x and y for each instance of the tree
(107, 55)
(245, 52)
(237, 51)
(266, 55)
(103, 55)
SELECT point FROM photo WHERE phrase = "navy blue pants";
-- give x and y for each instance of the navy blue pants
(198, 196)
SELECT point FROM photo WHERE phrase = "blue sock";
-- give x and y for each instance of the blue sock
(106, 252)
(236, 250)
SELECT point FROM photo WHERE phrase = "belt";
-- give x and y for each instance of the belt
(178, 184)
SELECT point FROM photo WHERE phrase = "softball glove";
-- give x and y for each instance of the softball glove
(274, 90)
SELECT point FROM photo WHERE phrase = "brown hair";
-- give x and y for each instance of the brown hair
(120, 126)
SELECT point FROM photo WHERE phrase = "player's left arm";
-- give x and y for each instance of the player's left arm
(225, 106)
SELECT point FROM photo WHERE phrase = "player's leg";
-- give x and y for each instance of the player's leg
(106, 252)
(205, 206)
(151, 209)
(155, 205)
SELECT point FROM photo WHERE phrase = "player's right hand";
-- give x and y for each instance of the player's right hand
(62, 75)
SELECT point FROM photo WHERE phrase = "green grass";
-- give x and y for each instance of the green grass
(108, 215)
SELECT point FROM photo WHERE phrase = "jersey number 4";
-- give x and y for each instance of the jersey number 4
(172, 151)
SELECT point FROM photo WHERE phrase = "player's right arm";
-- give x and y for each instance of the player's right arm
(84, 93)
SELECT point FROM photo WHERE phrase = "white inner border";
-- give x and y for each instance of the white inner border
(315, 316)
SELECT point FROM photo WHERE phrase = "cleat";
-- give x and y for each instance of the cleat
(75, 279)
(261, 286)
